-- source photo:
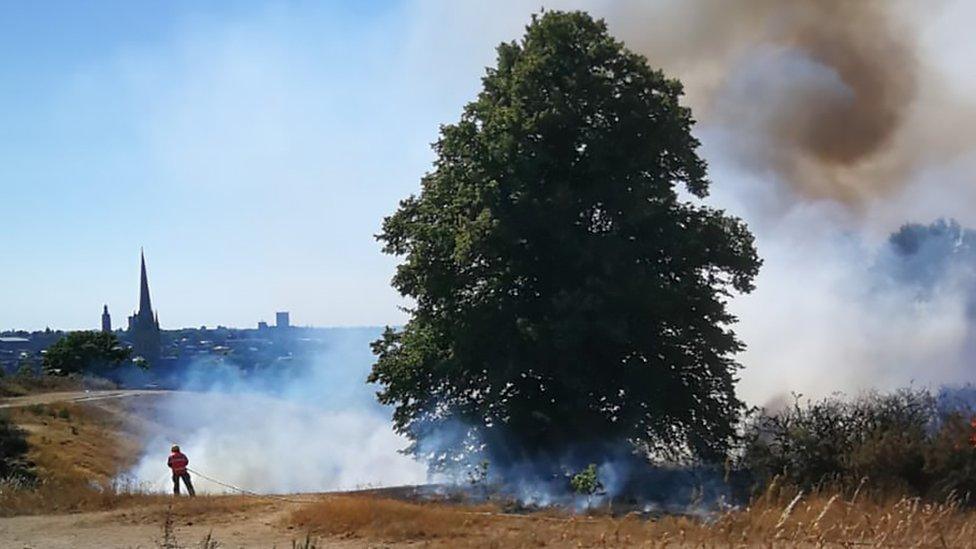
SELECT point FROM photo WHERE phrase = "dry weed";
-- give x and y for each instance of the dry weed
(778, 518)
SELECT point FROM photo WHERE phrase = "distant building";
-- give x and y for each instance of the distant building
(143, 324)
(281, 320)
(106, 320)
(262, 325)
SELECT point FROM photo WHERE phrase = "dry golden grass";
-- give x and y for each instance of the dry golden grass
(13, 385)
(78, 451)
(70, 442)
(778, 518)
(386, 518)
(67, 496)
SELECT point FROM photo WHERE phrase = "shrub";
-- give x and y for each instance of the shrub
(13, 452)
(586, 482)
(26, 369)
(902, 442)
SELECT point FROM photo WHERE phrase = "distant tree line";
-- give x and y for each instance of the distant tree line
(86, 352)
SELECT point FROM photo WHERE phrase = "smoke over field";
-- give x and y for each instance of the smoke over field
(303, 427)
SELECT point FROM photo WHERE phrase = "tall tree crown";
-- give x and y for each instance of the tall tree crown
(565, 296)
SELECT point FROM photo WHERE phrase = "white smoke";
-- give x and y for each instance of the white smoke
(311, 427)
(824, 319)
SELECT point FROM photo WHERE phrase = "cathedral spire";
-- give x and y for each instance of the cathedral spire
(145, 305)
(106, 320)
(144, 325)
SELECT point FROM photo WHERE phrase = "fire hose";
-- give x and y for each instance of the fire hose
(249, 492)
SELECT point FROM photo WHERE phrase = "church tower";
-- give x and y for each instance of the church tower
(143, 324)
(106, 320)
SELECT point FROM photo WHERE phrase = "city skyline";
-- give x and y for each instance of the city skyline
(144, 314)
(247, 148)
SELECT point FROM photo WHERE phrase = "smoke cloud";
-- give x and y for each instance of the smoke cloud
(826, 95)
(828, 126)
(303, 427)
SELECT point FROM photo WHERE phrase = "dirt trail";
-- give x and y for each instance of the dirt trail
(130, 529)
(73, 396)
(93, 441)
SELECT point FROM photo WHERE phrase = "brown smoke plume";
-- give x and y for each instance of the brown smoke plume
(820, 89)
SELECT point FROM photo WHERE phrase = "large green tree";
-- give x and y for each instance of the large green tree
(85, 352)
(566, 297)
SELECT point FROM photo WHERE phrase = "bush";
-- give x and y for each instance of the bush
(13, 452)
(586, 482)
(26, 369)
(904, 441)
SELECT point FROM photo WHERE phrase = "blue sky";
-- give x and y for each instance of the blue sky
(251, 148)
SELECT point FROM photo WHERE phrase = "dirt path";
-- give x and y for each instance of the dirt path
(91, 442)
(131, 529)
(73, 396)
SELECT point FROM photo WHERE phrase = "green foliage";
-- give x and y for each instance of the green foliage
(586, 482)
(565, 296)
(900, 442)
(85, 352)
(13, 451)
(26, 369)
(478, 474)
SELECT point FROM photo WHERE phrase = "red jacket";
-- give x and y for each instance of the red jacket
(178, 462)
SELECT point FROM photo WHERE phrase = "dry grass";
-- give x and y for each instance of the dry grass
(67, 496)
(13, 385)
(386, 518)
(78, 451)
(778, 518)
(75, 442)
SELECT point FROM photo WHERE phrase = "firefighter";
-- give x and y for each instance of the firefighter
(177, 462)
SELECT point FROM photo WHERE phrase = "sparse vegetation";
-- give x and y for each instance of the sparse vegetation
(586, 482)
(27, 369)
(478, 474)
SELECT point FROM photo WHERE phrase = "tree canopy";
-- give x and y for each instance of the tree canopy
(85, 352)
(566, 299)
